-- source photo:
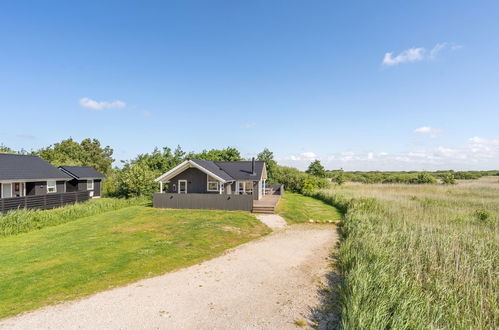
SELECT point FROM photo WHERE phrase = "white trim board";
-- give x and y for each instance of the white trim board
(184, 166)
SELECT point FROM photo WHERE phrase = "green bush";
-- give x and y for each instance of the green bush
(449, 179)
(296, 181)
(21, 221)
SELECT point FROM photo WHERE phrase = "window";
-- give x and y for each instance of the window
(51, 187)
(6, 190)
(182, 186)
(90, 184)
(212, 184)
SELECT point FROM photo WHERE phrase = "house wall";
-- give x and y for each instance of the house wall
(196, 182)
(81, 185)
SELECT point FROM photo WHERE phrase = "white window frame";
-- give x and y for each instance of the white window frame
(179, 190)
(211, 180)
(90, 187)
(49, 187)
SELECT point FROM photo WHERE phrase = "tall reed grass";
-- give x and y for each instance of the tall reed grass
(21, 221)
(419, 257)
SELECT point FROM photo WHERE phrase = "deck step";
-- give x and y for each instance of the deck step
(263, 209)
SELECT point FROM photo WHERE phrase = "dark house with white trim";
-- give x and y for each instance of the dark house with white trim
(22, 175)
(197, 176)
(203, 184)
(31, 182)
(83, 178)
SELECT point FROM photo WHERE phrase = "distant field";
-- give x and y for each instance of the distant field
(99, 252)
(419, 256)
(296, 208)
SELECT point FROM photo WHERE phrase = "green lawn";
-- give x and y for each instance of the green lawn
(296, 208)
(111, 249)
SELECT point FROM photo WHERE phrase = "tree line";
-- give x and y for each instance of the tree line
(136, 176)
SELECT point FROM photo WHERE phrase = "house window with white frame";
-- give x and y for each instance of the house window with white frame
(90, 184)
(212, 184)
(51, 187)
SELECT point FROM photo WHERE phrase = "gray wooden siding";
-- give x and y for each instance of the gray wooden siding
(196, 181)
(203, 201)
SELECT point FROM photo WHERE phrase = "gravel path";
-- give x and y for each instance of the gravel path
(274, 221)
(265, 284)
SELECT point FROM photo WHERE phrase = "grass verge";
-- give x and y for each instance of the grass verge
(296, 208)
(96, 253)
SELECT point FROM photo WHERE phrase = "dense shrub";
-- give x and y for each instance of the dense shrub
(297, 181)
(412, 177)
(21, 221)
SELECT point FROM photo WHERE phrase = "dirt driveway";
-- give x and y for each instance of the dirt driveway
(265, 284)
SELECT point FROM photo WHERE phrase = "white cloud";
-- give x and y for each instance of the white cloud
(427, 130)
(308, 154)
(418, 54)
(249, 125)
(409, 55)
(304, 156)
(101, 105)
(476, 153)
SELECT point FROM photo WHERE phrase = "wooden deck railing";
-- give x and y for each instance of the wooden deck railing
(48, 201)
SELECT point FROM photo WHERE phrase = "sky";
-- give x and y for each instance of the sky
(359, 85)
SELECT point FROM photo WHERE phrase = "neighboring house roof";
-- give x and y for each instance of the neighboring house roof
(82, 172)
(222, 171)
(24, 168)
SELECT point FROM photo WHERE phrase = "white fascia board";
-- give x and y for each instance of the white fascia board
(182, 167)
(164, 177)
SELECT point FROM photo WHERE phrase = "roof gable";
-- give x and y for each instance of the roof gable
(25, 167)
(222, 171)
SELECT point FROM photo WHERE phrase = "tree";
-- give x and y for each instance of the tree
(228, 154)
(316, 169)
(268, 157)
(87, 153)
(161, 161)
(339, 177)
(6, 150)
(135, 180)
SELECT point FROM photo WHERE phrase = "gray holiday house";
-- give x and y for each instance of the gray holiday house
(203, 184)
(31, 182)
(83, 178)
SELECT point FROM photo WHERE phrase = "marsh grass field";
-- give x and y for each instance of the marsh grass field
(419, 256)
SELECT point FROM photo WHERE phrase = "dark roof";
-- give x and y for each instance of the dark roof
(230, 171)
(213, 168)
(242, 170)
(23, 167)
(79, 172)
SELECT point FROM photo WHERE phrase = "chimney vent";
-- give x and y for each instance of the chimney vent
(253, 170)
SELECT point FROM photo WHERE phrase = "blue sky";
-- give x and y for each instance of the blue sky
(359, 85)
